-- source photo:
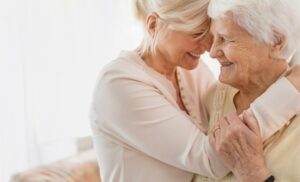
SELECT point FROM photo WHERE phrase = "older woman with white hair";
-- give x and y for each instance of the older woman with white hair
(148, 118)
(253, 41)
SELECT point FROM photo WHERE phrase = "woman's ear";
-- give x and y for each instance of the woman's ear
(151, 23)
(278, 45)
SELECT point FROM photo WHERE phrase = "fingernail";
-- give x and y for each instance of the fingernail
(245, 113)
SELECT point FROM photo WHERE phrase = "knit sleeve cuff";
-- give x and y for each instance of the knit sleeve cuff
(275, 107)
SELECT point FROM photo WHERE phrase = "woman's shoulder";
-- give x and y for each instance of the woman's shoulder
(221, 93)
(118, 72)
(217, 94)
(126, 62)
(127, 66)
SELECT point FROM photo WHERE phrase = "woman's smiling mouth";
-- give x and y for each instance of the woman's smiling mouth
(195, 54)
(226, 64)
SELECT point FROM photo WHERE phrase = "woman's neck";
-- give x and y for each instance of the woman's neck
(258, 85)
(160, 64)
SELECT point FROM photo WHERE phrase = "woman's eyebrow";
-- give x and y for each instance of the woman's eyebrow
(226, 35)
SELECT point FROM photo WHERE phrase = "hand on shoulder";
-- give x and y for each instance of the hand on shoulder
(240, 146)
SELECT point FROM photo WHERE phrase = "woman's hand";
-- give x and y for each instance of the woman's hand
(240, 146)
(294, 76)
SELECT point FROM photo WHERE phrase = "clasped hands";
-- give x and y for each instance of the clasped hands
(238, 142)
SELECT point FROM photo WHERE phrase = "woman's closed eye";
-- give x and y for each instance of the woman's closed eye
(200, 34)
(223, 39)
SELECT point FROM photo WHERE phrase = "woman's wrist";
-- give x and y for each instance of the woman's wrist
(270, 179)
(257, 175)
(294, 81)
(263, 176)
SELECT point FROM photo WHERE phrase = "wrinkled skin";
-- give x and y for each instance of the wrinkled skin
(240, 147)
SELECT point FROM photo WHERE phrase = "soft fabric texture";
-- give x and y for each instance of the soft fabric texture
(79, 168)
(140, 133)
(281, 149)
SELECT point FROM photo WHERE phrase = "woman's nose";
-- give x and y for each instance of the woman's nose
(205, 43)
(215, 51)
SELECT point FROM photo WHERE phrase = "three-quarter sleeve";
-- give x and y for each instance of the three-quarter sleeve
(137, 114)
(275, 107)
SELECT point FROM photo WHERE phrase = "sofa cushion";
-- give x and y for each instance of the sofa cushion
(79, 168)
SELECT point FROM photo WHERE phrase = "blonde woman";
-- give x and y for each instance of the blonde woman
(148, 117)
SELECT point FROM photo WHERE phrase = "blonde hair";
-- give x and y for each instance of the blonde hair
(179, 15)
(265, 20)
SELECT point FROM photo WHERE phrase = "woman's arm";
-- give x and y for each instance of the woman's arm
(280, 102)
(138, 115)
(294, 76)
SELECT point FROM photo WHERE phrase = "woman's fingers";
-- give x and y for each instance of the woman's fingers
(239, 144)
(251, 122)
(216, 135)
(223, 127)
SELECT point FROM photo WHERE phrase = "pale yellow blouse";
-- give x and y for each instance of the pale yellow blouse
(282, 150)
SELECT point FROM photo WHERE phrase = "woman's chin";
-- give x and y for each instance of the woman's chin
(225, 79)
(191, 63)
(227, 74)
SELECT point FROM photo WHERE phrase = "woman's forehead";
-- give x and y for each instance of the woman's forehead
(226, 26)
(202, 27)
